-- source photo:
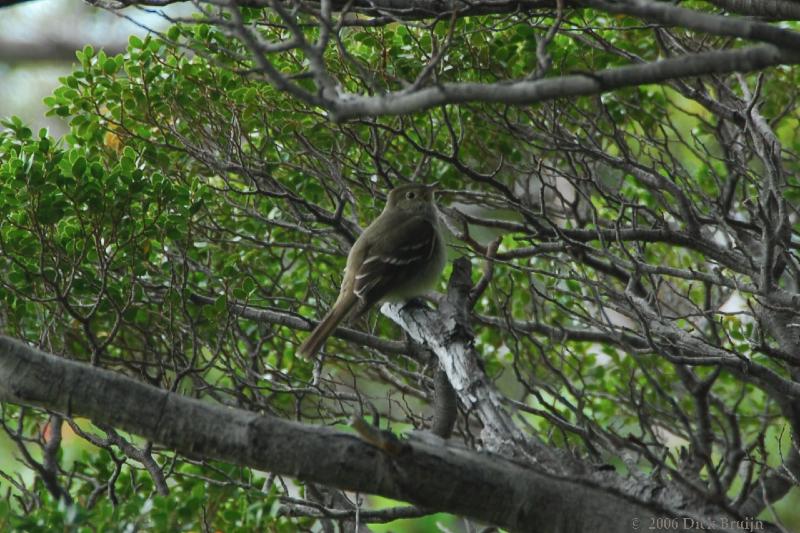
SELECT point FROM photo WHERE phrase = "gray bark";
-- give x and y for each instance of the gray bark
(530, 92)
(429, 473)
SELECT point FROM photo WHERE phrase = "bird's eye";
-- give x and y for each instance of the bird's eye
(411, 195)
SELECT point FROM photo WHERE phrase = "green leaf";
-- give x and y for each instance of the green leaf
(173, 33)
(109, 66)
(79, 167)
(51, 213)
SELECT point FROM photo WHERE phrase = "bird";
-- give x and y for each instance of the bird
(399, 256)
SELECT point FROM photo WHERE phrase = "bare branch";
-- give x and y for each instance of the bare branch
(531, 92)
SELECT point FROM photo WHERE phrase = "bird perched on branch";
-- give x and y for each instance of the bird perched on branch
(399, 256)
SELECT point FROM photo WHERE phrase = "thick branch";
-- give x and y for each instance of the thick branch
(483, 486)
(671, 15)
(533, 91)
(448, 335)
(445, 406)
(772, 9)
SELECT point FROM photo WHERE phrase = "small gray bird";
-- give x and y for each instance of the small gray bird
(399, 256)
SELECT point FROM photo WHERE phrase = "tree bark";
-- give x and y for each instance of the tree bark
(428, 472)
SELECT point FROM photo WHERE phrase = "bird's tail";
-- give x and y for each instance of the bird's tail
(332, 318)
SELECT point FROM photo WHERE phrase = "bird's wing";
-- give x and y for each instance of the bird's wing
(402, 252)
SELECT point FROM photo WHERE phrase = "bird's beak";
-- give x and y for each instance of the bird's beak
(433, 187)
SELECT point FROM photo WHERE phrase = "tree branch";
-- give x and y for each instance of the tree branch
(280, 318)
(529, 92)
(448, 334)
(483, 486)
(672, 15)
(774, 9)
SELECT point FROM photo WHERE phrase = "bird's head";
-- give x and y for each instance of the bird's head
(411, 197)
